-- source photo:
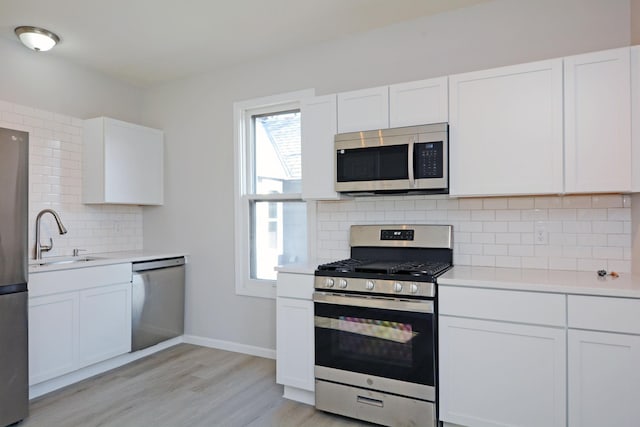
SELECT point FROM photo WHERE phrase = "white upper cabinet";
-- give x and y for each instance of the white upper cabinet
(319, 126)
(366, 109)
(635, 118)
(419, 102)
(597, 94)
(505, 132)
(122, 163)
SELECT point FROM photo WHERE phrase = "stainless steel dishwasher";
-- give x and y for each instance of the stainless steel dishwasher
(157, 311)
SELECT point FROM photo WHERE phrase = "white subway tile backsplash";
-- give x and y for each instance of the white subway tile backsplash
(606, 201)
(521, 227)
(496, 250)
(483, 215)
(563, 214)
(507, 238)
(535, 262)
(576, 202)
(486, 238)
(582, 231)
(495, 203)
(504, 215)
(521, 250)
(548, 202)
(619, 214)
(471, 204)
(557, 263)
(483, 260)
(608, 252)
(508, 262)
(55, 181)
(520, 203)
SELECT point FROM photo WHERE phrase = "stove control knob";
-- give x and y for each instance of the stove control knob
(328, 283)
(414, 288)
(342, 283)
(397, 287)
(369, 285)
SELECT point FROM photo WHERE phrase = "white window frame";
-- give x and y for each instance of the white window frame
(245, 285)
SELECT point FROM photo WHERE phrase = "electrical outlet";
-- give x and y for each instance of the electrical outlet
(541, 236)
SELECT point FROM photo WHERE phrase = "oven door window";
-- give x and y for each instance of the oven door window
(373, 163)
(384, 343)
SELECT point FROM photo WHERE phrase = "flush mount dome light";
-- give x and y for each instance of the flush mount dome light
(37, 39)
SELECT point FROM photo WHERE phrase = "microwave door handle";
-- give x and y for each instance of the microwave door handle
(412, 181)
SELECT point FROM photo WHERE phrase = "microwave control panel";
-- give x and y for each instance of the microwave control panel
(428, 159)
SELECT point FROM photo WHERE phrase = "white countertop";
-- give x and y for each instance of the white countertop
(305, 268)
(558, 281)
(104, 258)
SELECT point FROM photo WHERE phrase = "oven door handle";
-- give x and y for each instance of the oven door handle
(419, 306)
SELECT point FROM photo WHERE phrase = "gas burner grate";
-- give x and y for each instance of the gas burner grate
(343, 266)
(417, 268)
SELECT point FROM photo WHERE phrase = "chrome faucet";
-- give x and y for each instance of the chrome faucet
(45, 248)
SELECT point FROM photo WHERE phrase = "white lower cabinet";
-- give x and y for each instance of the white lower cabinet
(77, 317)
(53, 336)
(604, 379)
(295, 343)
(502, 357)
(295, 346)
(498, 373)
(105, 323)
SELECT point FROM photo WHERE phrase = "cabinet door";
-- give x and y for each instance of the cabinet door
(366, 109)
(319, 126)
(53, 336)
(133, 164)
(294, 343)
(419, 102)
(505, 130)
(604, 380)
(121, 163)
(105, 323)
(635, 118)
(597, 93)
(498, 374)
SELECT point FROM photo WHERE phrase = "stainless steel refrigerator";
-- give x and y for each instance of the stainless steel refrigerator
(14, 215)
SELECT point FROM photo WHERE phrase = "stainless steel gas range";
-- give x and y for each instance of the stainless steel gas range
(375, 320)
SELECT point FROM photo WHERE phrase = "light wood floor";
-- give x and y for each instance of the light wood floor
(185, 385)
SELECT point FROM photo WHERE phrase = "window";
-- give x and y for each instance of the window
(271, 217)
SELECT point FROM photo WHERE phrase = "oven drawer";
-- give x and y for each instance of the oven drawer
(373, 406)
(509, 306)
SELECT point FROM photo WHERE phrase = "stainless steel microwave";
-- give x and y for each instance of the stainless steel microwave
(396, 160)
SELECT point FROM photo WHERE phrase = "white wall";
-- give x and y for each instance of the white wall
(43, 81)
(196, 115)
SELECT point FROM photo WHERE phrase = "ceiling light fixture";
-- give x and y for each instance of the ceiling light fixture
(37, 39)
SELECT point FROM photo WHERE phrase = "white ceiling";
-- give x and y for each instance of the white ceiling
(151, 41)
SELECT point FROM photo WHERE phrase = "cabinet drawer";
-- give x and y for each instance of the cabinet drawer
(509, 306)
(73, 279)
(293, 285)
(604, 314)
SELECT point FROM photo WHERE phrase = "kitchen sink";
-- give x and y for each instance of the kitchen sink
(57, 261)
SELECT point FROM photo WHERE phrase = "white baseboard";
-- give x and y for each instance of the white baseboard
(267, 353)
(37, 390)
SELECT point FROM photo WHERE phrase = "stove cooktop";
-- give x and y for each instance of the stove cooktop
(392, 270)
